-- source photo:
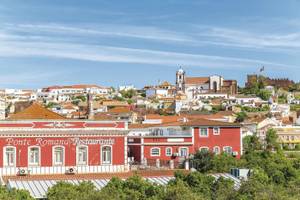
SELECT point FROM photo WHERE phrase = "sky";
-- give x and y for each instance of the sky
(142, 42)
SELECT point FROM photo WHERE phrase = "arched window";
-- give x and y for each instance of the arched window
(106, 155)
(168, 151)
(204, 149)
(9, 156)
(215, 86)
(227, 149)
(155, 151)
(183, 151)
(216, 150)
(34, 156)
(58, 155)
(82, 155)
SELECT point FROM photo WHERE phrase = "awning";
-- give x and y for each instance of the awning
(38, 188)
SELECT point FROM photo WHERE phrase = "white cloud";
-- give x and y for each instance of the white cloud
(126, 55)
(288, 42)
(138, 32)
(14, 43)
(248, 39)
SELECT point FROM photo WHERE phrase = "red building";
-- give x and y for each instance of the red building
(61, 146)
(38, 141)
(177, 140)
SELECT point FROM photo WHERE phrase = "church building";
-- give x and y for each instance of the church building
(194, 87)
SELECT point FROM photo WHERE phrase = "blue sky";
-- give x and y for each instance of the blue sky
(111, 43)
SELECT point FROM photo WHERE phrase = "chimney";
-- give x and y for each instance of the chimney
(90, 106)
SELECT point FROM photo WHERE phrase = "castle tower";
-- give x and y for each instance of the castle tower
(180, 80)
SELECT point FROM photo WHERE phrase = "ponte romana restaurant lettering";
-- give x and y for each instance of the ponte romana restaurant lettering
(53, 142)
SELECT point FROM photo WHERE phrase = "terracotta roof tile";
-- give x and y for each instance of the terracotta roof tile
(35, 111)
(196, 80)
(119, 110)
(78, 86)
(114, 103)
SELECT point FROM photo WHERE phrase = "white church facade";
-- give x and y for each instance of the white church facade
(203, 87)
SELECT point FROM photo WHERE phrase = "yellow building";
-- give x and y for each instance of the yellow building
(289, 135)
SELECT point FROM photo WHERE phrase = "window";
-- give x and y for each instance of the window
(155, 151)
(216, 150)
(216, 131)
(58, 156)
(203, 132)
(82, 155)
(168, 151)
(227, 150)
(183, 152)
(34, 156)
(9, 156)
(204, 149)
(106, 155)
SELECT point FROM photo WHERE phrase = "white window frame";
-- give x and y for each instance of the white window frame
(77, 155)
(204, 148)
(111, 155)
(170, 153)
(187, 152)
(227, 147)
(153, 148)
(39, 160)
(207, 131)
(5, 164)
(54, 158)
(219, 150)
(218, 130)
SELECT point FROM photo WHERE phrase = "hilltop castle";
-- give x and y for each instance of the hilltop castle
(278, 82)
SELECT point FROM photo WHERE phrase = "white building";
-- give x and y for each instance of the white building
(245, 100)
(2, 109)
(65, 93)
(194, 87)
(126, 87)
(15, 95)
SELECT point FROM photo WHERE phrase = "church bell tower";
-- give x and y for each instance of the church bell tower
(180, 80)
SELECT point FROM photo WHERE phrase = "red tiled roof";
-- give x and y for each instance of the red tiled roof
(196, 80)
(35, 111)
(114, 103)
(119, 110)
(78, 86)
(104, 116)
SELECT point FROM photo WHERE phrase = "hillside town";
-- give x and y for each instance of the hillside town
(73, 132)
(149, 100)
(258, 105)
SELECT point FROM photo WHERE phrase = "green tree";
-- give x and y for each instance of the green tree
(128, 93)
(14, 194)
(264, 94)
(271, 140)
(198, 182)
(240, 117)
(251, 143)
(202, 161)
(179, 190)
(68, 191)
(223, 163)
(223, 189)
(113, 190)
